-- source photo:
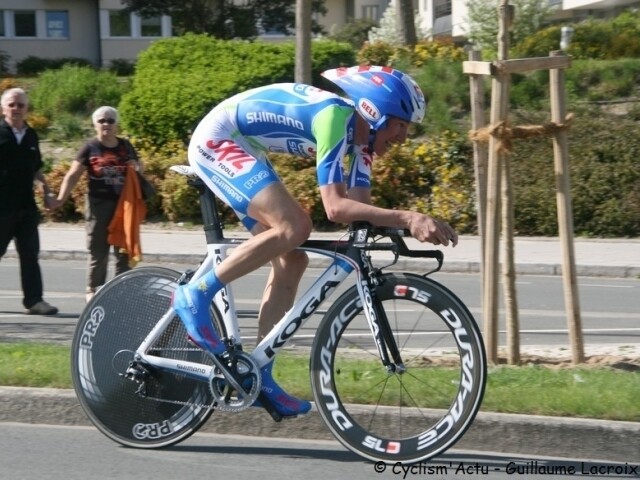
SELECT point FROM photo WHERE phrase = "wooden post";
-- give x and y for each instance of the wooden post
(508, 263)
(499, 113)
(476, 88)
(509, 267)
(498, 180)
(565, 215)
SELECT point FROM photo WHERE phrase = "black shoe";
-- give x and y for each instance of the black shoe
(42, 308)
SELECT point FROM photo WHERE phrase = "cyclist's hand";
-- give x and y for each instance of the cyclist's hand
(427, 229)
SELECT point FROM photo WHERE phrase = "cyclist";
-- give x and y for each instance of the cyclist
(229, 149)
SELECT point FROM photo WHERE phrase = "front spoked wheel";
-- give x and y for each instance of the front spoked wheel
(416, 410)
(128, 401)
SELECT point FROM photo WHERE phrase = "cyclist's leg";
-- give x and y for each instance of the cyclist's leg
(244, 180)
(290, 226)
(287, 226)
(281, 287)
(278, 297)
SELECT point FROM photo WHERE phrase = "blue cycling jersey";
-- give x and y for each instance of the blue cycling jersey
(231, 144)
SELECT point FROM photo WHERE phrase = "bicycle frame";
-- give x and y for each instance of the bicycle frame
(347, 256)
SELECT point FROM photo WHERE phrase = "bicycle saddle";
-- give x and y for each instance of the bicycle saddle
(186, 170)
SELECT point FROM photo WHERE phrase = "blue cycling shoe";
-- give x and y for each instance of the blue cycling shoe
(285, 404)
(196, 319)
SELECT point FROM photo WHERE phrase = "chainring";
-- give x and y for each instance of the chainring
(246, 373)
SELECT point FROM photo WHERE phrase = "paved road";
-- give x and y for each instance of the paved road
(69, 453)
(610, 307)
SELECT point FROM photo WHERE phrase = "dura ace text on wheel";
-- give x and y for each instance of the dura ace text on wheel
(411, 411)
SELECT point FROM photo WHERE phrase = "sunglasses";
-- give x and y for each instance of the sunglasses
(14, 104)
(110, 121)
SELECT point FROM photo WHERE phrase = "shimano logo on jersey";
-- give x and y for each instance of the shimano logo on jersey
(368, 109)
(269, 117)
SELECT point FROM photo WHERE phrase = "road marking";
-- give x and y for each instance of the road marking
(599, 285)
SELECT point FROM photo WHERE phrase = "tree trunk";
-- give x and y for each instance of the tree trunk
(405, 22)
(303, 41)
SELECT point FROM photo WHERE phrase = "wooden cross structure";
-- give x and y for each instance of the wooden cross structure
(493, 184)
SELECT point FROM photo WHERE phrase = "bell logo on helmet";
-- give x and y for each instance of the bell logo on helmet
(368, 109)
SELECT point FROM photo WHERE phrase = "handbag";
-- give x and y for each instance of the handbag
(146, 187)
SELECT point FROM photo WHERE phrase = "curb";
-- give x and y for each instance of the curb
(401, 265)
(521, 434)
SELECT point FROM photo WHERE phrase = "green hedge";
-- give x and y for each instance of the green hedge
(75, 90)
(586, 81)
(178, 80)
(605, 179)
(603, 39)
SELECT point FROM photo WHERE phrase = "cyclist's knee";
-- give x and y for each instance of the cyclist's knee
(297, 230)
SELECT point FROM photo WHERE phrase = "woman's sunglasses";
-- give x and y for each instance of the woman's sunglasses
(14, 104)
(110, 121)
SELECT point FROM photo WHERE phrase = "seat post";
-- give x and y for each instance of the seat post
(210, 216)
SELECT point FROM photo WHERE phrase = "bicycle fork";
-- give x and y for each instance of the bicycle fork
(379, 324)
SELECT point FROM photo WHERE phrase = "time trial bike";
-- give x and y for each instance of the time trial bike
(397, 364)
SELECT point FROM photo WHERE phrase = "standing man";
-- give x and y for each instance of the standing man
(20, 164)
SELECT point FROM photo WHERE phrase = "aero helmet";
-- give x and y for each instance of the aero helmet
(380, 92)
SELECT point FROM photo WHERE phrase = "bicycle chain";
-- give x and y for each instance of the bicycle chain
(213, 406)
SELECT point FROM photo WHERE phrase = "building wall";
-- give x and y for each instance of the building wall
(597, 4)
(454, 24)
(82, 40)
(88, 32)
(336, 13)
(125, 47)
(567, 10)
(89, 37)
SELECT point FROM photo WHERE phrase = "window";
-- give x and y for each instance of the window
(370, 12)
(441, 8)
(25, 23)
(57, 23)
(151, 27)
(3, 33)
(119, 23)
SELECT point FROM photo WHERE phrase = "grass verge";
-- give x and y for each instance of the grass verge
(600, 392)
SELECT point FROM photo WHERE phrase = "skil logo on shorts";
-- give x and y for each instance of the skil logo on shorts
(368, 109)
(230, 159)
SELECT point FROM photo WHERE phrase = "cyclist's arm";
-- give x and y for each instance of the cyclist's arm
(360, 194)
(342, 209)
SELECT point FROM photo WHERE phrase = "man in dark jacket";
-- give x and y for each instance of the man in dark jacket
(20, 164)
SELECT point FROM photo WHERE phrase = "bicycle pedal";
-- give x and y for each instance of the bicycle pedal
(185, 277)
